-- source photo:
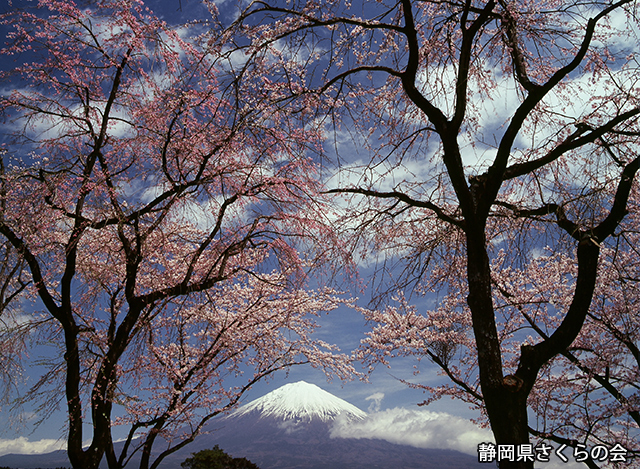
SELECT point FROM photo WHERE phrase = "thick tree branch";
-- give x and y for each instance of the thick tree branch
(464, 63)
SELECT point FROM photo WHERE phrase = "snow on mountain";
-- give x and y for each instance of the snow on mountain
(301, 401)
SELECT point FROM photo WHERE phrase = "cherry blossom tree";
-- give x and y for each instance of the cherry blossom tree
(160, 211)
(488, 150)
(12, 347)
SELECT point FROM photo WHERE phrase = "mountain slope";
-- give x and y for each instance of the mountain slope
(281, 445)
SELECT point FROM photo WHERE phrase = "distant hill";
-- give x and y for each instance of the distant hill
(290, 428)
(33, 461)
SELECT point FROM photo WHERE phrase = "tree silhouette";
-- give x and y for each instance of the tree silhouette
(216, 459)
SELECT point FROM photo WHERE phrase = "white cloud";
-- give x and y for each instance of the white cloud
(419, 428)
(22, 445)
(425, 429)
(290, 426)
(377, 399)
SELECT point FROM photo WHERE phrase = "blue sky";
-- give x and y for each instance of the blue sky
(344, 327)
(383, 395)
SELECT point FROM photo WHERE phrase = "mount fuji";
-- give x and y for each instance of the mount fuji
(289, 428)
(300, 401)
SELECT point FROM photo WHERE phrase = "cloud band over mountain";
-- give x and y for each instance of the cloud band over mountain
(415, 427)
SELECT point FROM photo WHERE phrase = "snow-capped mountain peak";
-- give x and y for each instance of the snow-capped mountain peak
(301, 401)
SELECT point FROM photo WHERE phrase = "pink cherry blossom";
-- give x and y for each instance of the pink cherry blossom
(165, 213)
